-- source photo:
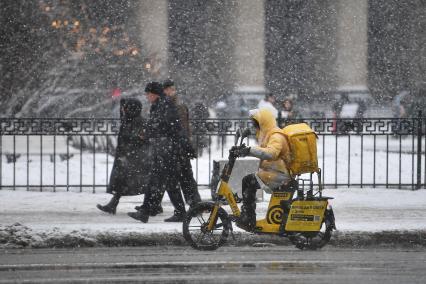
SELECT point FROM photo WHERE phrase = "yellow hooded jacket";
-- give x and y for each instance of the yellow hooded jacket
(273, 150)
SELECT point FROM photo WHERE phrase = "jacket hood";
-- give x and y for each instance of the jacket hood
(132, 108)
(266, 120)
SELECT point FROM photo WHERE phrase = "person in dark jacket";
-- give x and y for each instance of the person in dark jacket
(185, 176)
(287, 114)
(167, 140)
(130, 171)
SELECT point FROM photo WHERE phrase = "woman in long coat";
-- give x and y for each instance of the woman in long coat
(130, 171)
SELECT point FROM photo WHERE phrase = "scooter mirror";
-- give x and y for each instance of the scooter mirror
(237, 136)
(245, 133)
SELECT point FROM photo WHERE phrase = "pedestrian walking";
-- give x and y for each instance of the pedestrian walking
(288, 114)
(130, 170)
(185, 176)
(167, 140)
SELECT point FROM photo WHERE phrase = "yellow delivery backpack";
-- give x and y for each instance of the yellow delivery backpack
(303, 148)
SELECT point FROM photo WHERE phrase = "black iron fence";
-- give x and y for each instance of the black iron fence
(77, 154)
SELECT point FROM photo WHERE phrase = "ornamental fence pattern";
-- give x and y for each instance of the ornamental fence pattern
(77, 154)
(108, 126)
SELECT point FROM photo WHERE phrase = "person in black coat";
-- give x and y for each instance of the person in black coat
(130, 171)
(185, 177)
(167, 141)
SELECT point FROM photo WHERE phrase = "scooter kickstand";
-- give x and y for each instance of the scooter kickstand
(232, 231)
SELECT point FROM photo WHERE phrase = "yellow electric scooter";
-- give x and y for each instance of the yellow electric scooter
(306, 219)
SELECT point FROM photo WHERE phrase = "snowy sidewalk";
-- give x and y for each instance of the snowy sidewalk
(43, 219)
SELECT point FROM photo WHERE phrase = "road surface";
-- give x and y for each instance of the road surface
(163, 264)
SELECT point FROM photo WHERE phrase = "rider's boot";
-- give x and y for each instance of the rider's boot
(247, 220)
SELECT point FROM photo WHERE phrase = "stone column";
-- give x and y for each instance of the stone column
(249, 38)
(153, 22)
(352, 44)
(418, 45)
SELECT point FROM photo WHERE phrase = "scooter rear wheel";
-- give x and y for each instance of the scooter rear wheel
(314, 240)
(195, 229)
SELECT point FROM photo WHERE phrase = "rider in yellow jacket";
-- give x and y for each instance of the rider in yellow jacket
(273, 152)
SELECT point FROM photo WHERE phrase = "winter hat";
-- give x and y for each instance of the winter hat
(132, 108)
(155, 88)
(168, 83)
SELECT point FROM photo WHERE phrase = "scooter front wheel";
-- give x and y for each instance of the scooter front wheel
(195, 229)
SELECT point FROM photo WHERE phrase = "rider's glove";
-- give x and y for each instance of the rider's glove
(240, 151)
(235, 151)
(244, 151)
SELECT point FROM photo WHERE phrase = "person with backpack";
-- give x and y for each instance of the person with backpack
(274, 153)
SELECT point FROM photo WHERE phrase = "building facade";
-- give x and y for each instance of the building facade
(212, 48)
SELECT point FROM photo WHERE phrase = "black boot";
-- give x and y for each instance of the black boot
(141, 215)
(177, 217)
(247, 219)
(111, 207)
(152, 212)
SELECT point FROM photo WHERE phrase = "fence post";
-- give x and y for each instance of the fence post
(1, 156)
(419, 150)
(424, 166)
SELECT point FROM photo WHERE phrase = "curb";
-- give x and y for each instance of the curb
(19, 236)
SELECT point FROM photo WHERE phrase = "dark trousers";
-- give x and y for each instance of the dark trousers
(187, 182)
(164, 177)
(166, 182)
(249, 188)
(176, 199)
